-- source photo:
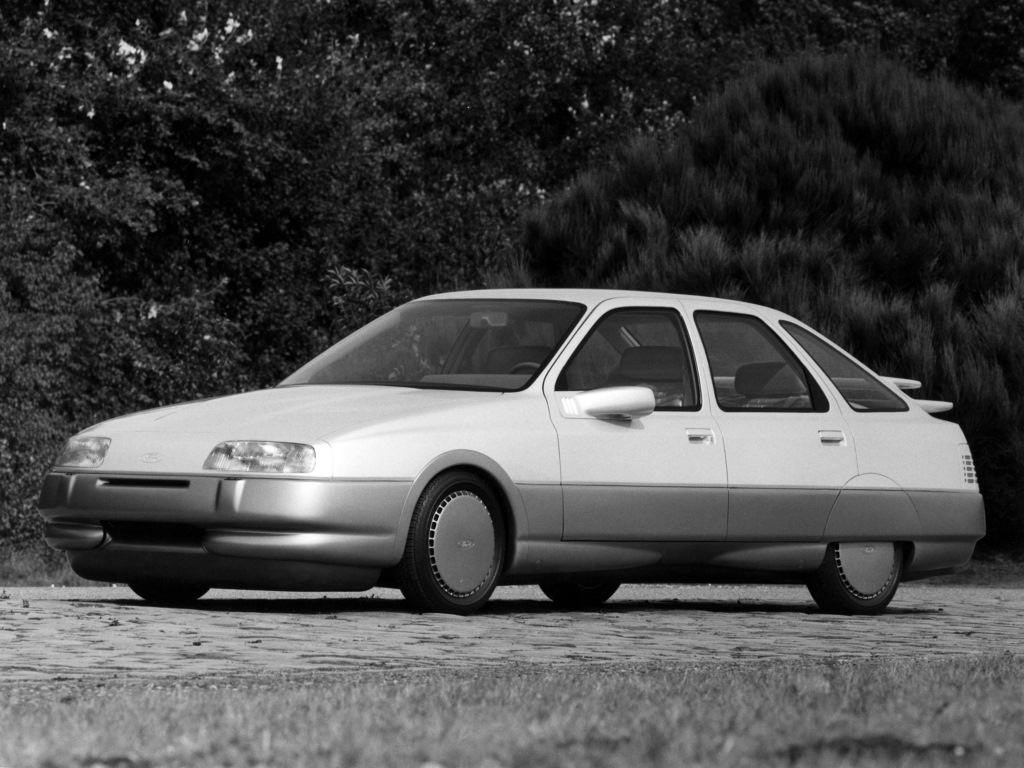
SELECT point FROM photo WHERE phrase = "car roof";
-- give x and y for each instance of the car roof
(594, 296)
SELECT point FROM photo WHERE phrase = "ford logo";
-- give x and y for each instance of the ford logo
(152, 458)
(466, 544)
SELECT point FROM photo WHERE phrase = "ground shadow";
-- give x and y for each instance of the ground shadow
(325, 604)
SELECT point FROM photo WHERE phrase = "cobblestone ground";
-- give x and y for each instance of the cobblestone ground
(105, 632)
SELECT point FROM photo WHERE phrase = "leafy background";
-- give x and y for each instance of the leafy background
(196, 196)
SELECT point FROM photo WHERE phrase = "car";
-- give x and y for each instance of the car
(572, 439)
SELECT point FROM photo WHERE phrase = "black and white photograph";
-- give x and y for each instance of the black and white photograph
(511, 383)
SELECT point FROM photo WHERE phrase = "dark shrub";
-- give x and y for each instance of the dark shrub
(878, 206)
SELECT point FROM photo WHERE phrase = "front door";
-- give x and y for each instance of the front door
(659, 477)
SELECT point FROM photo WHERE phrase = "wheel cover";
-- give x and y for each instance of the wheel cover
(461, 544)
(866, 568)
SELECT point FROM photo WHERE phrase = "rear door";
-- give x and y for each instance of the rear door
(789, 451)
(660, 477)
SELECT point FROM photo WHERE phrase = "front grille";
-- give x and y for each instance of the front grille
(153, 534)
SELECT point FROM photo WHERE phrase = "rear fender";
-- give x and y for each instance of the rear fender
(872, 507)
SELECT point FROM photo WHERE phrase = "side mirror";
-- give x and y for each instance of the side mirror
(610, 403)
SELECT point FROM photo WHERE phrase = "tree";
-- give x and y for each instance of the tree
(187, 175)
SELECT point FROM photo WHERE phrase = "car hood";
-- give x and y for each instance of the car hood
(178, 438)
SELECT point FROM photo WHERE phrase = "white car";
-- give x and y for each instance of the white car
(574, 439)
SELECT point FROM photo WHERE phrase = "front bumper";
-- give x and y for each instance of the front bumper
(224, 531)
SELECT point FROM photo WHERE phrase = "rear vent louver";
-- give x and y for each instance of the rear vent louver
(970, 477)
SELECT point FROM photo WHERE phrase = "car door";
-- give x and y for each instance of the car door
(659, 477)
(789, 451)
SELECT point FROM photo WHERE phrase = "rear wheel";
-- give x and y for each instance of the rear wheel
(456, 546)
(578, 596)
(166, 593)
(857, 577)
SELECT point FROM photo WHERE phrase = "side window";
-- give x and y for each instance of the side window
(855, 383)
(636, 347)
(753, 370)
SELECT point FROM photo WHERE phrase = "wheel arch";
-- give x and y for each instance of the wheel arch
(490, 473)
(872, 507)
(875, 507)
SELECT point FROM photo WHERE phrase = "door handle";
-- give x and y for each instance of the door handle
(832, 437)
(700, 436)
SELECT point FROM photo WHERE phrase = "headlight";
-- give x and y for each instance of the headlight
(261, 456)
(84, 452)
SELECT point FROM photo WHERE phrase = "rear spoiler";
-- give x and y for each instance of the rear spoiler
(929, 406)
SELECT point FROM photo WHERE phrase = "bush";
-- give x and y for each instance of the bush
(42, 306)
(880, 207)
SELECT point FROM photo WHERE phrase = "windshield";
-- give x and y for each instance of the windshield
(483, 344)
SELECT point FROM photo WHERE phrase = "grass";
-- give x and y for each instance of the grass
(872, 713)
(37, 567)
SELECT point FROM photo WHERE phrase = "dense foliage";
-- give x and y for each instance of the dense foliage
(884, 209)
(197, 194)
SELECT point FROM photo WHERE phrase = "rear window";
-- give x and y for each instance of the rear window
(858, 386)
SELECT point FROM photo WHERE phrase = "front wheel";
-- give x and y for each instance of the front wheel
(857, 578)
(456, 546)
(578, 596)
(168, 593)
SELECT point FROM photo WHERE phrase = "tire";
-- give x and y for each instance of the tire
(578, 596)
(857, 578)
(455, 551)
(167, 593)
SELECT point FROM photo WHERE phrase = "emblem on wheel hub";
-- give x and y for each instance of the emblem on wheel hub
(461, 544)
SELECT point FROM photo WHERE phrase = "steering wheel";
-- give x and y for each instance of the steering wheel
(527, 366)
